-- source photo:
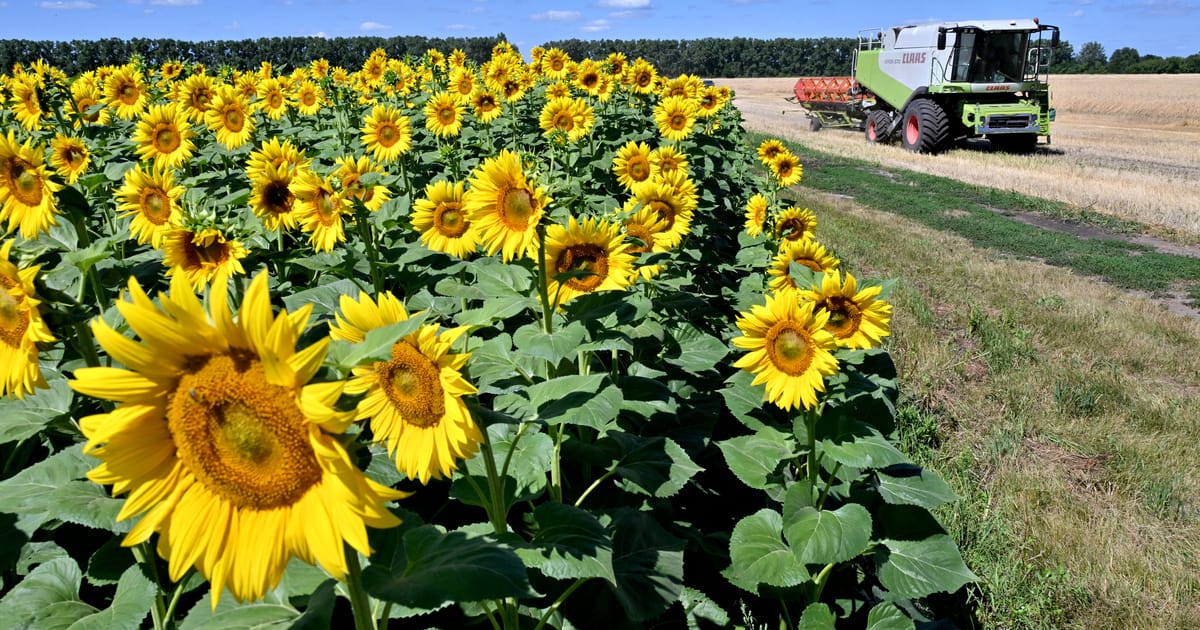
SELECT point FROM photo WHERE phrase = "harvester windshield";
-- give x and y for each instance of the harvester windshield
(990, 57)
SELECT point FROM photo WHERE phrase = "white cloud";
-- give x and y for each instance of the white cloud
(1077, 13)
(374, 26)
(620, 14)
(67, 6)
(595, 26)
(556, 16)
(320, 34)
(460, 27)
(176, 3)
(625, 4)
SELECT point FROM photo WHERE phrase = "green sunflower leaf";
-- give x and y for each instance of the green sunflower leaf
(825, 536)
(26, 417)
(917, 568)
(912, 485)
(888, 616)
(375, 346)
(870, 451)
(755, 458)
(434, 566)
(586, 399)
(47, 597)
(656, 466)
(563, 343)
(759, 555)
(130, 605)
(569, 543)
(817, 616)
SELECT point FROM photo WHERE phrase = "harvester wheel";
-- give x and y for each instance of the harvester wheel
(878, 123)
(925, 127)
(1014, 142)
(814, 124)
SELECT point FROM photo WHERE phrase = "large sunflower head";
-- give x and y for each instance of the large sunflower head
(789, 350)
(319, 210)
(676, 117)
(444, 114)
(634, 163)
(756, 214)
(150, 196)
(350, 171)
(485, 105)
(806, 252)
(589, 76)
(387, 133)
(769, 149)
(271, 196)
(670, 159)
(125, 91)
(70, 157)
(229, 116)
(641, 76)
(442, 220)
(555, 64)
(275, 152)
(199, 255)
(504, 206)
(786, 169)
(222, 442)
(567, 118)
(672, 208)
(195, 94)
(309, 97)
(84, 97)
(26, 190)
(585, 257)
(712, 100)
(795, 224)
(462, 83)
(413, 399)
(857, 318)
(21, 328)
(272, 98)
(164, 135)
(26, 104)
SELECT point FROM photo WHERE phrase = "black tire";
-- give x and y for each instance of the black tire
(925, 127)
(814, 124)
(1014, 142)
(877, 126)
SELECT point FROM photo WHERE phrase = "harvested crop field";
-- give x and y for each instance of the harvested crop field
(1126, 146)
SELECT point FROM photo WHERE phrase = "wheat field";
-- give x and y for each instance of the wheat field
(1127, 146)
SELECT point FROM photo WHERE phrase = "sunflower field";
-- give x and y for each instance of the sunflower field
(509, 344)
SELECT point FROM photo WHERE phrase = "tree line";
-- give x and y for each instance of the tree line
(714, 57)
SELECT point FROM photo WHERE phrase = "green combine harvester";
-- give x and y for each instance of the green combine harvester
(935, 85)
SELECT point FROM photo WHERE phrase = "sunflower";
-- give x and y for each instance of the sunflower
(319, 210)
(125, 91)
(149, 195)
(643, 234)
(634, 164)
(794, 224)
(676, 117)
(222, 443)
(673, 209)
(641, 76)
(26, 190)
(857, 318)
(350, 171)
(201, 255)
(570, 117)
(485, 105)
(458, 58)
(462, 83)
(503, 205)
(387, 133)
(669, 159)
(712, 99)
(787, 169)
(373, 68)
(70, 157)
(164, 135)
(589, 76)
(271, 196)
(273, 152)
(769, 149)
(229, 116)
(443, 114)
(170, 70)
(555, 64)
(21, 328)
(617, 62)
(272, 98)
(309, 98)
(593, 252)
(414, 399)
(26, 105)
(84, 96)
(319, 68)
(194, 96)
(688, 85)
(808, 253)
(756, 214)
(789, 349)
(442, 222)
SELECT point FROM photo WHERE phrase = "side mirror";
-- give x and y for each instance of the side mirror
(1054, 39)
(941, 43)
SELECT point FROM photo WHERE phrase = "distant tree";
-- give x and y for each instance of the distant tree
(1062, 58)
(1190, 64)
(1092, 58)
(1122, 58)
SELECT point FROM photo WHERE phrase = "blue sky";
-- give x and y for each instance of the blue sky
(1161, 27)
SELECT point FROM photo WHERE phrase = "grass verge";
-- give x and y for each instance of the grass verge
(1064, 411)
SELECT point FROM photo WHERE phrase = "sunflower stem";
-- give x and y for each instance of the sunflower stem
(810, 423)
(558, 602)
(145, 557)
(175, 595)
(366, 233)
(360, 603)
(543, 281)
(828, 485)
(820, 581)
(556, 466)
(495, 486)
(595, 484)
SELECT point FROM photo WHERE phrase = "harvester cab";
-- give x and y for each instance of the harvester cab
(933, 85)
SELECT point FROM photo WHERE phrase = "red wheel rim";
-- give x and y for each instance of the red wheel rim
(912, 130)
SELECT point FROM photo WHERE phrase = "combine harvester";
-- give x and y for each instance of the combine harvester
(935, 85)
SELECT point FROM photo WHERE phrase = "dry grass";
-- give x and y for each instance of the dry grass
(1125, 146)
(1077, 409)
